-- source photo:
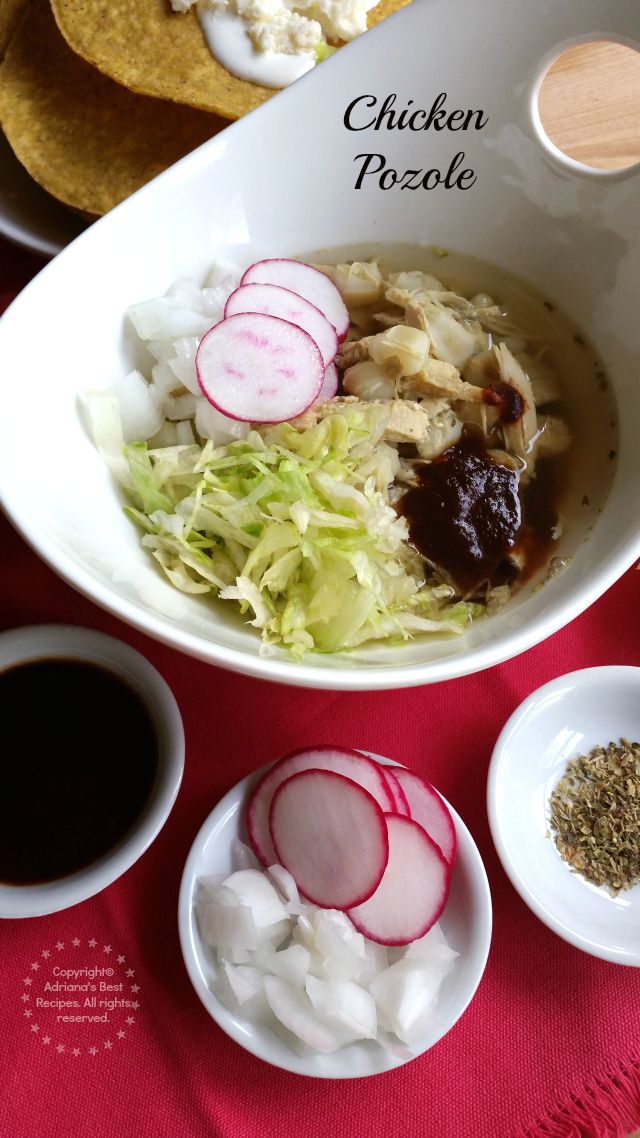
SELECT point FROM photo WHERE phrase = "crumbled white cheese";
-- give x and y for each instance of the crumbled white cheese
(339, 19)
(292, 26)
(252, 11)
(287, 32)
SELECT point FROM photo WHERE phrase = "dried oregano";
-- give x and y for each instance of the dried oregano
(595, 815)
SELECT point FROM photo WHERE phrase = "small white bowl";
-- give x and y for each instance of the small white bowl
(52, 641)
(466, 923)
(558, 722)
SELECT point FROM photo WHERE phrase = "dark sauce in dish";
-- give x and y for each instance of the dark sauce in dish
(77, 767)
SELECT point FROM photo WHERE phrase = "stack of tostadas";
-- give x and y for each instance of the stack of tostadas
(99, 96)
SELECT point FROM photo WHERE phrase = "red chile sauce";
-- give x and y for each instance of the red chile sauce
(507, 399)
(467, 513)
(77, 767)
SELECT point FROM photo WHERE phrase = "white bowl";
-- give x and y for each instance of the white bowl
(281, 182)
(53, 641)
(558, 722)
(466, 923)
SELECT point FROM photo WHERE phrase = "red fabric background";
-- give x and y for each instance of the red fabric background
(546, 1022)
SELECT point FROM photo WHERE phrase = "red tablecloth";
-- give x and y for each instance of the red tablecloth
(549, 1046)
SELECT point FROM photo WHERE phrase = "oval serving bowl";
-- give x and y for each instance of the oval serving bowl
(282, 182)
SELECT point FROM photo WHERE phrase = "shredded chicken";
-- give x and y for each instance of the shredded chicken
(518, 436)
(429, 423)
(404, 422)
(437, 366)
(442, 379)
(352, 352)
(482, 369)
(482, 416)
(416, 317)
(408, 422)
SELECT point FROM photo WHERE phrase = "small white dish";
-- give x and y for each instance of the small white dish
(466, 923)
(558, 722)
(52, 641)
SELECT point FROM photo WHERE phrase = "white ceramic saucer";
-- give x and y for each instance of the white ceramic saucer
(563, 719)
(466, 923)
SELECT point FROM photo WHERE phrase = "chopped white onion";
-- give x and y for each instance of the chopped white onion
(307, 972)
(295, 1011)
(241, 988)
(167, 436)
(291, 964)
(167, 318)
(180, 407)
(140, 407)
(286, 886)
(212, 424)
(230, 926)
(345, 1005)
(183, 363)
(184, 433)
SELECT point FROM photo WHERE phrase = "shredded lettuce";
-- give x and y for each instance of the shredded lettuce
(323, 51)
(296, 526)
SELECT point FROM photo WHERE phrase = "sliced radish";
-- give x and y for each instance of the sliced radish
(308, 282)
(399, 796)
(429, 811)
(352, 764)
(413, 891)
(273, 300)
(330, 833)
(329, 384)
(259, 369)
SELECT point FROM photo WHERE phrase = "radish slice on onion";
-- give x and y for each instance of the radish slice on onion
(331, 835)
(272, 300)
(413, 891)
(399, 796)
(259, 369)
(308, 282)
(354, 765)
(429, 811)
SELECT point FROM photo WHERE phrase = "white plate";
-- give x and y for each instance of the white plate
(466, 923)
(29, 216)
(558, 722)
